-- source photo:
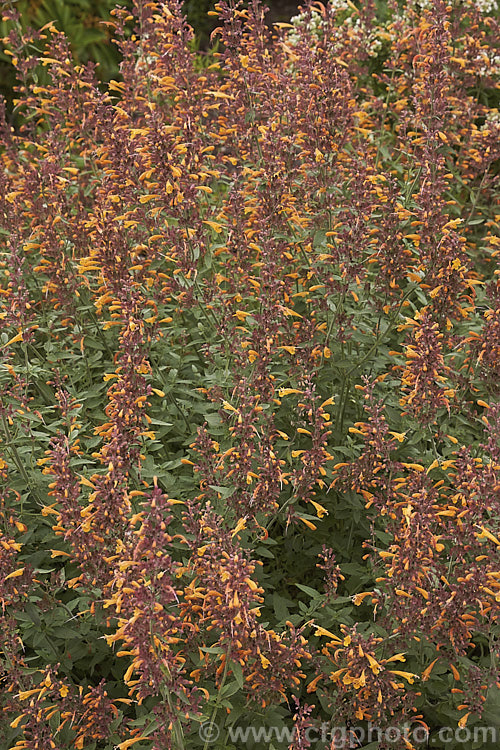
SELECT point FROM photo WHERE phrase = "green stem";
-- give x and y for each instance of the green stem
(218, 699)
(18, 462)
(368, 354)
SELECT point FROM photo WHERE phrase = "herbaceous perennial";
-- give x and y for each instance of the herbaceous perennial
(249, 377)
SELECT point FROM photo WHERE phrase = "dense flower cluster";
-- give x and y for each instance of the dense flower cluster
(249, 376)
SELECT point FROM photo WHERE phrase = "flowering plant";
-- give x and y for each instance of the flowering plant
(250, 416)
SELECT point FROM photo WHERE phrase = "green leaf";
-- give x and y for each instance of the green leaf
(308, 590)
(237, 672)
(230, 689)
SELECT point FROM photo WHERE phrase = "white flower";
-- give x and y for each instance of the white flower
(488, 7)
(313, 26)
